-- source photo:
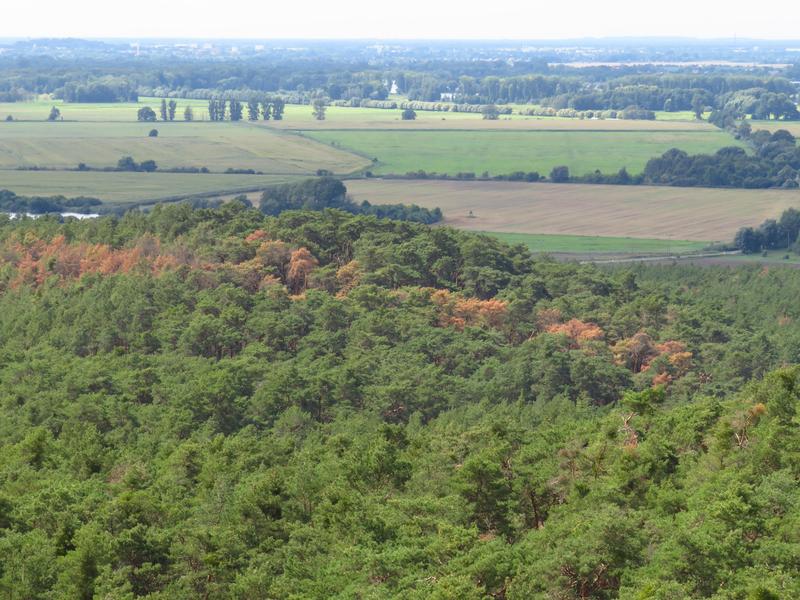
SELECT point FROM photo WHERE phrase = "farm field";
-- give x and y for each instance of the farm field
(792, 127)
(130, 188)
(507, 151)
(217, 146)
(38, 110)
(663, 213)
(584, 244)
(337, 117)
(300, 117)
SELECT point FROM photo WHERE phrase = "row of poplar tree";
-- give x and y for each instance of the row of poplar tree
(218, 110)
(265, 109)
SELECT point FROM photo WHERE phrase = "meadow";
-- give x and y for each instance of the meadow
(38, 110)
(339, 117)
(663, 213)
(586, 244)
(217, 146)
(300, 117)
(501, 152)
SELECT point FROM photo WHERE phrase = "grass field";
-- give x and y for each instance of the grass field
(125, 188)
(117, 111)
(664, 213)
(584, 244)
(502, 152)
(217, 146)
(300, 117)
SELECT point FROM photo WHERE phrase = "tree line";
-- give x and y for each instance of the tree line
(771, 234)
(218, 110)
(11, 202)
(326, 192)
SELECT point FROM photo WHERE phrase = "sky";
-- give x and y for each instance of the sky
(379, 19)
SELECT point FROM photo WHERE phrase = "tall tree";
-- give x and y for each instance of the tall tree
(698, 106)
(188, 114)
(277, 108)
(164, 115)
(212, 110)
(318, 108)
(221, 108)
(171, 108)
(252, 110)
(266, 109)
(236, 110)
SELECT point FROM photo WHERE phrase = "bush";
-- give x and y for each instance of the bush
(153, 133)
(559, 174)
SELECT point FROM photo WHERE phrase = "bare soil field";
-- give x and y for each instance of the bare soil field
(668, 213)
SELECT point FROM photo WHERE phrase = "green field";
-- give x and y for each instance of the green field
(217, 146)
(502, 152)
(130, 188)
(582, 244)
(96, 111)
(337, 117)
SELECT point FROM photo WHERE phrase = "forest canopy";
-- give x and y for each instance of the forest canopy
(220, 403)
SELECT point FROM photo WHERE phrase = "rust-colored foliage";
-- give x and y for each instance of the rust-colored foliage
(257, 236)
(348, 276)
(639, 353)
(274, 262)
(460, 312)
(301, 264)
(635, 352)
(577, 332)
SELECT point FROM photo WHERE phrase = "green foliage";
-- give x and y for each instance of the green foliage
(328, 192)
(432, 414)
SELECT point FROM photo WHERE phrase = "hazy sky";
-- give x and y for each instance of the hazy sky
(527, 19)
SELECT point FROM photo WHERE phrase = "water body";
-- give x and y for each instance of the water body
(63, 214)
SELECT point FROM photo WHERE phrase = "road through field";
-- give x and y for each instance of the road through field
(669, 213)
